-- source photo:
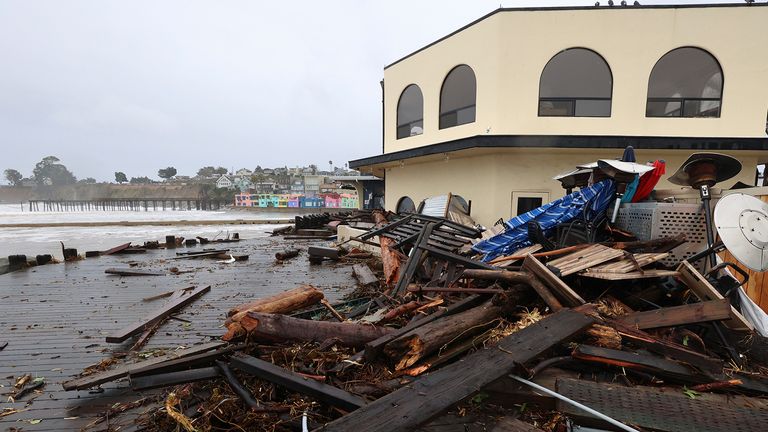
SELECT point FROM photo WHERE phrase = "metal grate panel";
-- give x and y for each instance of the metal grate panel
(650, 221)
(661, 409)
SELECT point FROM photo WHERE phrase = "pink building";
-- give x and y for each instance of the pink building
(332, 201)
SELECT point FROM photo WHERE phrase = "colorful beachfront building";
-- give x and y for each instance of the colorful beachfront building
(332, 200)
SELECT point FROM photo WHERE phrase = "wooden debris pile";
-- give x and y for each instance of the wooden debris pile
(440, 332)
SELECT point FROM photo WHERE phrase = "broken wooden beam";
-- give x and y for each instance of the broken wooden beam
(285, 302)
(276, 327)
(168, 309)
(638, 361)
(412, 405)
(512, 277)
(166, 379)
(713, 310)
(286, 254)
(364, 275)
(319, 253)
(98, 378)
(292, 381)
(374, 348)
(551, 280)
(700, 286)
(116, 249)
(424, 340)
(127, 271)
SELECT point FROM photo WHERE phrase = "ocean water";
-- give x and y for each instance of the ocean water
(45, 240)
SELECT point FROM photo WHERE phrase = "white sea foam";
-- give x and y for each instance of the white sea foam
(33, 241)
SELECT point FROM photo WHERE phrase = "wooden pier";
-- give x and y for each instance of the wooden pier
(122, 204)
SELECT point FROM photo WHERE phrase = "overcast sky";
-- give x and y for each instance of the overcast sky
(135, 86)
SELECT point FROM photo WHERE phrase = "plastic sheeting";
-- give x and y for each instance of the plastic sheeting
(588, 203)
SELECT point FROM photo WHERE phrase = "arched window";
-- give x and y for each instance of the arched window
(685, 82)
(405, 205)
(457, 97)
(410, 112)
(576, 82)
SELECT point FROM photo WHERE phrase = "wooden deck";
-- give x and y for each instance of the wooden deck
(55, 319)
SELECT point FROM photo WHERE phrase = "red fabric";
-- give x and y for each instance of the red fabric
(649, 180)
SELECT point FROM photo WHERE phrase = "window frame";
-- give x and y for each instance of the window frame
(441, 114)
(683, 100)
(574, 100)
(410, 124)
(400, 201)
(517, 194)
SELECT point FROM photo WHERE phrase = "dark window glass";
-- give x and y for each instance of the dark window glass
(576, 82)
(685, 82)
(405, 205)
(410, 112)
(457, 97)
(526, 204)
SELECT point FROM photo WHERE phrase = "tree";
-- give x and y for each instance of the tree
(140, 180)
(87, 180)
(313, 167)
(166, 173)
(50, 172)
(14, 177)
(209, 171)
(120, 177)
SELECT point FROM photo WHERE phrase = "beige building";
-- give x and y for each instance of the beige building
(494, 110)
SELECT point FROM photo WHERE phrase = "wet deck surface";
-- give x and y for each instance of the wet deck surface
(55, 319)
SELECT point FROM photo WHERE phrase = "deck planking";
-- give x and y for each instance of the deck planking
(55, 319)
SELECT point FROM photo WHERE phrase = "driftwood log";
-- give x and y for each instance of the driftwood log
(422, 341)
(285, 302)
(275, 327)
(389, 256)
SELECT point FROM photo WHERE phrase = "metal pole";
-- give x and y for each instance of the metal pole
(705, 198)
(597, 414)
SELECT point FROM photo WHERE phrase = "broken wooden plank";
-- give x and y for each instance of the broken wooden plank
(127, 271)
(364, 275)
(158, 314)
(700, 286)
(643, 362)
(713, 310)
(116, 249)
(628, 265)
(583, 259)
(202, 252)
(98, 378)
(187, 362)
(298, 383)
(646, 274)
(147, 382)
(412, 405)
(667, 348)
(561, 289)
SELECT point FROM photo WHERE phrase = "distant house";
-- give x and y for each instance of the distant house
(312, 184)
(268, 171)
(242, 182)
(224, 182)
(244, 172)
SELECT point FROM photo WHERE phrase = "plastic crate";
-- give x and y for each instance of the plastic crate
(649, 221)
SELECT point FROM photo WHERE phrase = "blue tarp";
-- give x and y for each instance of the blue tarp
(587, 203)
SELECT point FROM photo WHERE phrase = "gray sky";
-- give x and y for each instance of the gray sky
(137, 85)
